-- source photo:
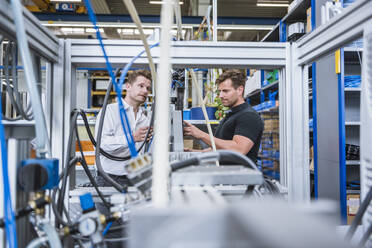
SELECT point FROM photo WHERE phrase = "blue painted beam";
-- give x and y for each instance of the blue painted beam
(152, 19)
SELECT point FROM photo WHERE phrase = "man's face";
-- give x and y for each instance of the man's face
(139, 89)
(228, 94)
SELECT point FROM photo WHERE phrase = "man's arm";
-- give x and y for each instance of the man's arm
(239, 143)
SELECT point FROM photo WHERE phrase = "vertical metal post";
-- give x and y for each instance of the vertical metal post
(297, 129)
(342, 136)
(58, 117)
(186, 95)
(215, 31)
(282, 128)
(13, 154)
(49, 96)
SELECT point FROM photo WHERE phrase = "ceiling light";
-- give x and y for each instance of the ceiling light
(65, 1)
(272, 4)
(161, 2)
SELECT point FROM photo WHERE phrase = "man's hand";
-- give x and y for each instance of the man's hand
(192, 130)
(197, 150)
(140, 134)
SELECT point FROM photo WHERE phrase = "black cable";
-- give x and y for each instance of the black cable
(8, 88)
(102, 173)
(98, 151)
(61, 196)
(59, 219)
(365, 237)
(359, 215)
(15, 84)
(221, 155)
(87, 172)
(66, 170)
(177, 165)
(103, 152)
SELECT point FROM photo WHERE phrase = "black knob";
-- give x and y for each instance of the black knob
(32, 177)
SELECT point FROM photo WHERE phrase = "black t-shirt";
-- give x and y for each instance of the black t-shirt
(245, 121)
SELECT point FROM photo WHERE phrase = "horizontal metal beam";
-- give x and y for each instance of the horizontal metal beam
(153, 19)
(340, 31)
(87, 53)
(41, 40)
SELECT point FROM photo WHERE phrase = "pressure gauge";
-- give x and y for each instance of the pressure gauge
(87, 226)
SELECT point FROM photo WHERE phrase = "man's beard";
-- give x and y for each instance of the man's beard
(231, 104)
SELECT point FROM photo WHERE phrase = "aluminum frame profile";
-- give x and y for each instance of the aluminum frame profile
(340, 31)
(87, 53)
(40, 39)
(296, 129)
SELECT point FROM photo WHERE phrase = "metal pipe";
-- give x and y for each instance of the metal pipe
(161, 167)
(214, 20)
(177, 12)
(42, 140)
(193, 78)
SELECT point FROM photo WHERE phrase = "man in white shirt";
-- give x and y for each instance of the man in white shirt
(113, 138)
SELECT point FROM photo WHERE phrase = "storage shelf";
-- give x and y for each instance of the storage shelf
(352, 162)
(272, 85)
(274, 109)
(353, 49)
(350, 89)
(196, 122)
(268, 158)
(352, 123)
(353, 191)
(297, 13)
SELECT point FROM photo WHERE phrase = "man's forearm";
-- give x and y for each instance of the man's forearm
(220, 143)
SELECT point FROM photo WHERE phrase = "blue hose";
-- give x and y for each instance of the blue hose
(124, 121)
(107, 228)
(10, 224)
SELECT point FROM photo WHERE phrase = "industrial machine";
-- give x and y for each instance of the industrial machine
(174, 199)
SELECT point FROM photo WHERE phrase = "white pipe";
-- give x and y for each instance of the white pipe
(38, 242)
(177, 12)
(161, 167)
(42, 140)
(208, 16)
(215, 34)
(198, 91)
(135, 17)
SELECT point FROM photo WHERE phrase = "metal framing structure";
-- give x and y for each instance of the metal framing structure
(64, 56)
(186, 54)
(44, 46)
(87, 53)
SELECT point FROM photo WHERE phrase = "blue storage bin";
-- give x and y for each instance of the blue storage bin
(197, 113)
(186, 114)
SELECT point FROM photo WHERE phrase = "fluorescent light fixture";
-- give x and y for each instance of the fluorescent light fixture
(272, 4)
(65, 1)
(160, 2)
(88, 25)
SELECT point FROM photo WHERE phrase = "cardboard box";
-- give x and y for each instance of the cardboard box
(353, 202)
(271, 125)
(308, 20)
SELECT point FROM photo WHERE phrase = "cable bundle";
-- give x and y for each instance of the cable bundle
(352, 81)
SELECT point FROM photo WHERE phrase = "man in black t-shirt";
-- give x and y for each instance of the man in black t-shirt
(242, 128)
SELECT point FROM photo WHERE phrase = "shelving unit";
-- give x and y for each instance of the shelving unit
(337, 122)
(297, 13)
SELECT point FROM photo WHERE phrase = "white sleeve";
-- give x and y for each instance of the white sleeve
(110, 142)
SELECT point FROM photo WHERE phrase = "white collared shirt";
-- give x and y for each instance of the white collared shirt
(113, 138)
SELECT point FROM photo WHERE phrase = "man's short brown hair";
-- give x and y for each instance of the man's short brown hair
(133, 76)
(236, 76)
